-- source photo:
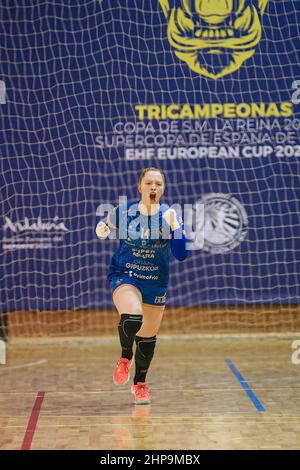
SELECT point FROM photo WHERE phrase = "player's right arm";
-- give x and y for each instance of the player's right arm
(104, 227)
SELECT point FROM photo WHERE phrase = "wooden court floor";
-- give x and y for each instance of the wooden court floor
(207, 394)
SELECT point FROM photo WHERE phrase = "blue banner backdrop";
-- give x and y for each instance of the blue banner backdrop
(90, 87)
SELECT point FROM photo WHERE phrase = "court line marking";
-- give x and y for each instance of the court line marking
(258, 405)
(175, 390)
(21, 366)
(32, 423)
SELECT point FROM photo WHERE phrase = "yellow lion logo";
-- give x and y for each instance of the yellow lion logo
(214, 37)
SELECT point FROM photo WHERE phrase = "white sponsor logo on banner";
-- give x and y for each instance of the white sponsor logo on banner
(30, 235)
(38, 226)
(225, 223)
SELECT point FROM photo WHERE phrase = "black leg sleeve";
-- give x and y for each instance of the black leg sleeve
(143, 356)
(128, 327)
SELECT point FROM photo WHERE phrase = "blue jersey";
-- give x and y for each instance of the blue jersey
(144, 250)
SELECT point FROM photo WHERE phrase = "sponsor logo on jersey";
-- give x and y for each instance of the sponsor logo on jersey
(160, 299)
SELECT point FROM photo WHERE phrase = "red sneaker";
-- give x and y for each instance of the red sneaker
(121, 372)
(141, 393)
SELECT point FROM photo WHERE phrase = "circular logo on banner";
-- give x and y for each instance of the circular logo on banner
(225, 223)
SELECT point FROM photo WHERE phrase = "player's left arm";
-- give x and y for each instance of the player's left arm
(178, 239)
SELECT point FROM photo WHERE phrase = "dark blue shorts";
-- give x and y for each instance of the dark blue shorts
(152, 295)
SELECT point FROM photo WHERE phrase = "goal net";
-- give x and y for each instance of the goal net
(94, 91)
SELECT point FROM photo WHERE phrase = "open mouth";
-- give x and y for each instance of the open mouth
(152, 197)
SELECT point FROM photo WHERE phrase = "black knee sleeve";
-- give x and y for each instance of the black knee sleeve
(143, 356)
(128, 327)
(130, 324)
(145, 349)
